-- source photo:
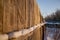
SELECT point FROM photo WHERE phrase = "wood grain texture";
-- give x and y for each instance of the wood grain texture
(20, 14)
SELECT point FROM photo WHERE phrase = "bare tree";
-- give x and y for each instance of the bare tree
(54, 16)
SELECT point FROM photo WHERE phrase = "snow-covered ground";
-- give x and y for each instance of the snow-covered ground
(52, 34)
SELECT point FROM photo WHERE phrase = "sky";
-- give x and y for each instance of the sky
(47, 7)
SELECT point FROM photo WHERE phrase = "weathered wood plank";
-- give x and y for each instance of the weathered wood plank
(18, 15)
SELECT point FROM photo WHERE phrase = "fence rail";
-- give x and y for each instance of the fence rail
(26, 31)
(20, 33)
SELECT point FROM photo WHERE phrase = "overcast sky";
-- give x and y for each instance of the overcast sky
(48, 6)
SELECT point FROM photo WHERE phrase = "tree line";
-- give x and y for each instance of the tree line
(54, 16)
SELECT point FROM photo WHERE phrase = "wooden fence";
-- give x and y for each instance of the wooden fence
(17, 15)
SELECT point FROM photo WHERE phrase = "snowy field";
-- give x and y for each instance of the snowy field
(52, 34)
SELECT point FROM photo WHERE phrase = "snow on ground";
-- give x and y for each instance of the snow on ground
(52, 34)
